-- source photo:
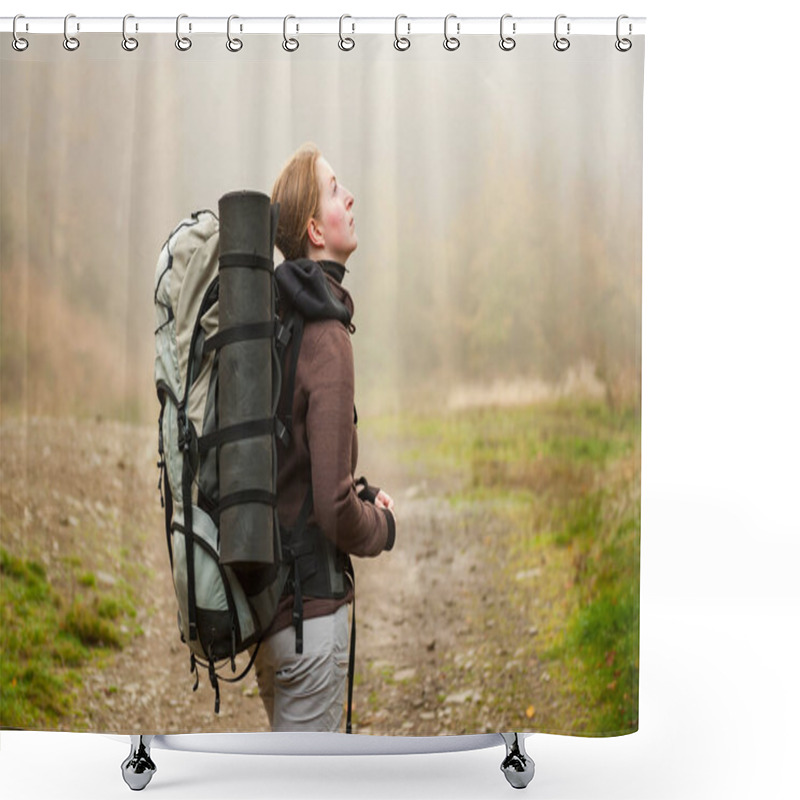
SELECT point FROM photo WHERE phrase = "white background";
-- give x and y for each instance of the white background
(720, 536)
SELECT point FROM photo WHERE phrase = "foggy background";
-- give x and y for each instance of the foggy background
(498, 208)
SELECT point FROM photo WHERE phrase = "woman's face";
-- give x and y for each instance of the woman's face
(333, 232)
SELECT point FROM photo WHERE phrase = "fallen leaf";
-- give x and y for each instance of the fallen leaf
(529, 712)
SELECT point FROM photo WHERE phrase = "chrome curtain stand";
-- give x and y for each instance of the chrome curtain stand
(138, 768)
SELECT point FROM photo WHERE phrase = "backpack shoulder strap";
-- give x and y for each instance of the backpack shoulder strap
(292, 340)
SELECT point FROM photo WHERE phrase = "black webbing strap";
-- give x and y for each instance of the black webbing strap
(246, 496)
(294, 550)
(297, 609)
(234, 433)
(249, 260)
(297, 341)
(351, 669)
(295, 325)
(239, 333)
(212, 676)
(194, 671)
(215, 677)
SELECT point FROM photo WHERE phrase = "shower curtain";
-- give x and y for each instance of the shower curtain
(497, 292)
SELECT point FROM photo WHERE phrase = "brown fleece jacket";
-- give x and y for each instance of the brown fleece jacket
(323, 451)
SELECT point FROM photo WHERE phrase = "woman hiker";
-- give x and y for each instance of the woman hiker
(326, 514)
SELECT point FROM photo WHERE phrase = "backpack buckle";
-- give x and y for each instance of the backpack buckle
(282, 432)
(184, 431)
(283, 335)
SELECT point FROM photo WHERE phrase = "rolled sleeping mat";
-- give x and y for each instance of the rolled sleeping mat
(248, 531)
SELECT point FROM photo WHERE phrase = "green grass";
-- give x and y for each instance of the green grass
(600, 645)
(565, 477)
(46, 637)
(510, 447)
(89, 580)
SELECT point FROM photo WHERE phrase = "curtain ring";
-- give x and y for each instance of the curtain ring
(507, 42)
(623, 45)
(129, 43)
(346, 43)
(71, 43)
(561, 43)
(183, 43)
(18, 43)
(289, 45)
(233, 44)
(451, 42)
(401, 42)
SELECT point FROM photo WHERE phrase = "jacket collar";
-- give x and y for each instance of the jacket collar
(334, 270)
(314, 288)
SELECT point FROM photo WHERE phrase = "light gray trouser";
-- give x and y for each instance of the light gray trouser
(306, 692)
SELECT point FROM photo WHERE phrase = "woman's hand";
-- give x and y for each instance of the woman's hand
(384, 501)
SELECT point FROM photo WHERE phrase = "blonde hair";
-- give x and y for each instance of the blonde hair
(297, 192)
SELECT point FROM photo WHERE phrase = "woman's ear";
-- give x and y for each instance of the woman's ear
(315, 234)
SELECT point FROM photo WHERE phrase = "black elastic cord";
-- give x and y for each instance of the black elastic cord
(246, 669)
(170, 318)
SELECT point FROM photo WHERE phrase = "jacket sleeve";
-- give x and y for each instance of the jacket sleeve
(356, 526)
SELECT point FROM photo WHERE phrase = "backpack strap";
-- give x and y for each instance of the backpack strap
(351, 666)
(292, 335)
(163, 485)
(297, 544)
(235, 433)
(240, 333)
(185, 444)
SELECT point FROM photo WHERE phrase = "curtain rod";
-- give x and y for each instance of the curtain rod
(348, 25)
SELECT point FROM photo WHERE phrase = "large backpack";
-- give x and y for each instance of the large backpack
(225, 406)
(217, 375)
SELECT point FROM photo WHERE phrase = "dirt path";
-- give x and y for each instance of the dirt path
(438, 652)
